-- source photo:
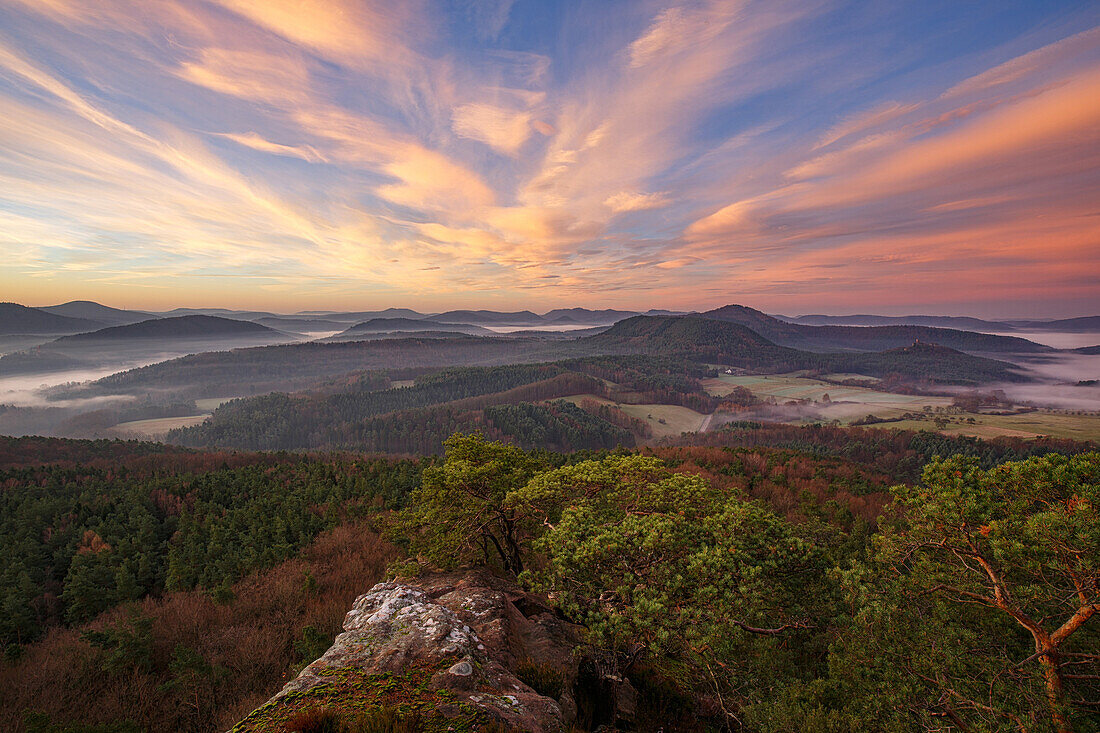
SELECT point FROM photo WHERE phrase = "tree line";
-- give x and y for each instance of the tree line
(78, 540)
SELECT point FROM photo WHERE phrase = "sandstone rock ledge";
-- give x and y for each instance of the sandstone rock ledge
(453, 649)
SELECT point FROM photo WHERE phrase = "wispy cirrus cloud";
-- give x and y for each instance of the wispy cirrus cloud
(627, 154)
(501, 128)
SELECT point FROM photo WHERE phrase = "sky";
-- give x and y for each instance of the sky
(884, 156)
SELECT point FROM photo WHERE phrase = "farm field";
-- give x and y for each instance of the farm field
(663, 420)
(209, 404)
(851, 403)
(666, 420)
(155, 427)
(844, 404)
(1027, 425)
(837, 377)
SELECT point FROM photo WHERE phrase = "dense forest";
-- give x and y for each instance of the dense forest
(81, 538)
(147, 587)
(967, 607)
(901, 453)
(500, 401)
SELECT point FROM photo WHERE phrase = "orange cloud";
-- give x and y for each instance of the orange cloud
(251, 75)
(634, 201)
(257, 142)
(431, 180)
(1065, 114)
(874, 117)
(345, 30)
(503, 129)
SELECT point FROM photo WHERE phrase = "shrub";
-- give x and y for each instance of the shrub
(315, 720)
(542, 678)
(386, 720)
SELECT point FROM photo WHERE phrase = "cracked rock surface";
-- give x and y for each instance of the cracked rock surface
(470, 627)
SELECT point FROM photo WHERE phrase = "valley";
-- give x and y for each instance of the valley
(171, 371)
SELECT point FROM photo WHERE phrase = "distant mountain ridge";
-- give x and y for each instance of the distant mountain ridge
(411, 325)
(196, 326)
(359, 316)
(21, 319)
(490, 318)
(869, 338)
(707, 340)
(93, 311)
(229, 313)
(301, 325)
(91, 316)
(586, 316)
(154, 339)
(1084, 324)
(557, 316)
(964, 323)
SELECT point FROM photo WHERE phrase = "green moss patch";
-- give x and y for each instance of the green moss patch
(354, 692)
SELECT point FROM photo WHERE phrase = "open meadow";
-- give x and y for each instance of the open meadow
(663, 420)
(154, 428)
(824, 401)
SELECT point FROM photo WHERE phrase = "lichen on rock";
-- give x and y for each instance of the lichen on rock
(445, 647)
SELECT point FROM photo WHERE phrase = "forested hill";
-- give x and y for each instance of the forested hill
(490, 318)
(173, 328)
(720, 342)
(900, 453)
(498, 401)
(389, 325)
(933, 362)
(298, 366)
(869, 338)
(93, 311)
(115, 521)
(702, 340)
(19, 319)
(116, 347)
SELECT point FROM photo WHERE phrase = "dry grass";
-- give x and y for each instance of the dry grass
(246, 646)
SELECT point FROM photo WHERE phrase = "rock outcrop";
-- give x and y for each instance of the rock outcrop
(457, 651)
